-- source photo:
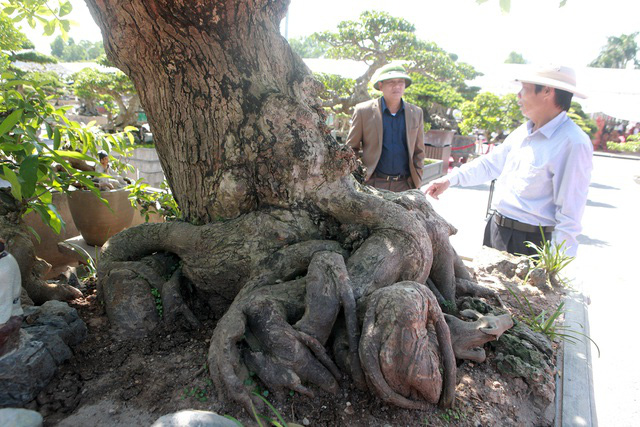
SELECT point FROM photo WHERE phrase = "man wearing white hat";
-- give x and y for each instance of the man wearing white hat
(388, 134)
(542, 169)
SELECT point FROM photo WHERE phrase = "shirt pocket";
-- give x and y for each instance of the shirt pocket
(532, 182)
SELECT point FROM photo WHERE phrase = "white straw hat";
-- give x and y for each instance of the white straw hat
(557, 77)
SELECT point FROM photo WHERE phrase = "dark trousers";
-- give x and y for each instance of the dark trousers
(383, 184)
(510, 240)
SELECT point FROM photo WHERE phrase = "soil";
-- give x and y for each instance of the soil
(116, 383)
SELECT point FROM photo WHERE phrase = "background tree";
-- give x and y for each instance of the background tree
(491, 114)
(36, 163)
(377, 39)
(70, 51)
(582, 119)
(308, 47)
(92, 86)
(618, 52)
(515, 58)
(11, 38)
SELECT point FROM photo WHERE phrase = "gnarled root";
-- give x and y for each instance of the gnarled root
(285, 355)
(403, 336)
(468, 338)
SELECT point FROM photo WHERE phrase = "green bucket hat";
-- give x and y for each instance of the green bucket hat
(389, 72)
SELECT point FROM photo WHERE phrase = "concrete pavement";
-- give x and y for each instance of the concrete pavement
(602, 389)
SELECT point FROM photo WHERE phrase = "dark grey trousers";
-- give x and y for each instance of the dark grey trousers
(510, 240)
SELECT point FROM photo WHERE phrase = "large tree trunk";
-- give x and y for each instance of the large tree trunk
(227, 100)
(303, 263)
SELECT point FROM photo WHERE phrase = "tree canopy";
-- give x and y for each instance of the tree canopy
(491, 114)
(515, 58)
(618, 52)
(11, 38)
(308, 47)
(377, 39)
(70, 51)
(115, 89)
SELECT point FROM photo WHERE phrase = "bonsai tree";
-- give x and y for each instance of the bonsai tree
(279, 240)
(35, 163)
(91, 85)
(491, 114)
(377, 39)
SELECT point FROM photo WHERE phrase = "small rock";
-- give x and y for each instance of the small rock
(349, 410)
(20, 417)
(305, 421)
(193, 418)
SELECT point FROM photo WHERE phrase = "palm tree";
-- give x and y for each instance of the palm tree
(618, 52)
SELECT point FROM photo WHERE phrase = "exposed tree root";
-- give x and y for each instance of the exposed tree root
(292, 289)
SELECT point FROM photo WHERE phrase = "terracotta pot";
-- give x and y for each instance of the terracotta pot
(47, 247)
(97, 222)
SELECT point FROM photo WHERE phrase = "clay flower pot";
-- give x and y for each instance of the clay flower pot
(47, 247)
(97, 222)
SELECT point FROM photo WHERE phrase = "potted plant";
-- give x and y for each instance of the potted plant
(433, 168)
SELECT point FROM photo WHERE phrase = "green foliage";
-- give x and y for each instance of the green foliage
(157, 298)
(37, 57)
(375, 34)
(71, 51)
(200, 393)
(160, 202)
(48, 14)
(515, 58)
(114, 89)
(48, 81)
(490, 113)
(35, 167)
(336, 88)
(308, 47)
(260, 418)
(424, 91)
(618, 52)
(549, 256)
(632, 145)
(91, 264)
(586, 123)
(11, 38)
(452, 416)
(377, 38)
(548, 324)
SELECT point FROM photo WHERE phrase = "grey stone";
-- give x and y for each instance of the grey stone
(47, 333)
(55, 318)
(193, 419)
(16, 417)
(25, 371)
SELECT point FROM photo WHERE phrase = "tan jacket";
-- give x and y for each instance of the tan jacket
(366, 135)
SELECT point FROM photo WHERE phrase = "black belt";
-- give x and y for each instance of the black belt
(390, 177)
(503, 221)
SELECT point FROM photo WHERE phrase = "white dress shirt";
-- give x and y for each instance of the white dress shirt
(542, 177)
(10, 287)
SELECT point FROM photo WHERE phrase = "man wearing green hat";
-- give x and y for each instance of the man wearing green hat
(388, 134)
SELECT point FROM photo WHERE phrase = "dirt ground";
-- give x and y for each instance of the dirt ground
(115, 383)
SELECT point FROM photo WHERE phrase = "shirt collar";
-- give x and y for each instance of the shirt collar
(384, 105)
(548, 129)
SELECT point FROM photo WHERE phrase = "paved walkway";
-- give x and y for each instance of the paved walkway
(603, 389)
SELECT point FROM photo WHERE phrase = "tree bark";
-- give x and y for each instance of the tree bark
(229, 103)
